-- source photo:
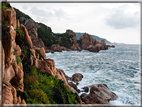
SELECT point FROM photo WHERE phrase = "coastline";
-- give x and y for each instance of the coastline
(30, 77)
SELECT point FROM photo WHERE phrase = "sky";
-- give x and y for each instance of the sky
(116, 22)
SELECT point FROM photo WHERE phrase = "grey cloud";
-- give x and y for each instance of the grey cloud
(119, 19)
(25, 7)
(48, 14)
(59, 13)
(41, 12)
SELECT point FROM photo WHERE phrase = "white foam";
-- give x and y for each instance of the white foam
(116, 102)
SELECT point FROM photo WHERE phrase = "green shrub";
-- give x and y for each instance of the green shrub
(31, 80)
(5, 5)
(20, 33)
(3, 80)
(39, 95)
(4, 8)
(24, 50)
(18, 59)
(39, 88)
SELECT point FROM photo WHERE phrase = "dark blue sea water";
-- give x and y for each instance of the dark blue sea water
(117, 67)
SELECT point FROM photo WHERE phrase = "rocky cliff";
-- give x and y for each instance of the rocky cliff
(88, 43)
(42, 36)
(30, 78)
(31, 27)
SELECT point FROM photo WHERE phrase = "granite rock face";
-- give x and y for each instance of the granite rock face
(12, 68)
(32, 27)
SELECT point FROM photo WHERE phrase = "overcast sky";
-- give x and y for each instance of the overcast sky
(117, 22)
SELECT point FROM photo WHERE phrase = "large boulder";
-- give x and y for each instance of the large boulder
(99, 94)
(77, 77)
(103, 91)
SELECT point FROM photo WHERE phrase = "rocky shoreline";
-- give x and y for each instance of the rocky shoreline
(28, 77)
(98, 93)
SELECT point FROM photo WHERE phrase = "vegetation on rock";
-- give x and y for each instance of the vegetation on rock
(39, 89)
(46, 35)
(5, 5)
(49, 38)
(18, 60)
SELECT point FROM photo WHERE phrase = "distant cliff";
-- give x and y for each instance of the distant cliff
(78, 35)
(42, 36)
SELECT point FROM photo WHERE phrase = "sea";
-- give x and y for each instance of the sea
(118, 68)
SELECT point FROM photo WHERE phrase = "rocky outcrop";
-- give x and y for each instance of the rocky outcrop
(48, 66)
(28, 38)
(42, 51)
(13, 70)
(99, 94)
(32, 27)
(75, 45)
(90, 44)
(10, 15)
(86, 40)
(77, 77)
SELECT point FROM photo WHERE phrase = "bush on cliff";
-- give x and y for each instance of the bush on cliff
(49, 38)
(19, 33)
(18, 60)
(42, 89)
(25, 51)
(5, 5)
